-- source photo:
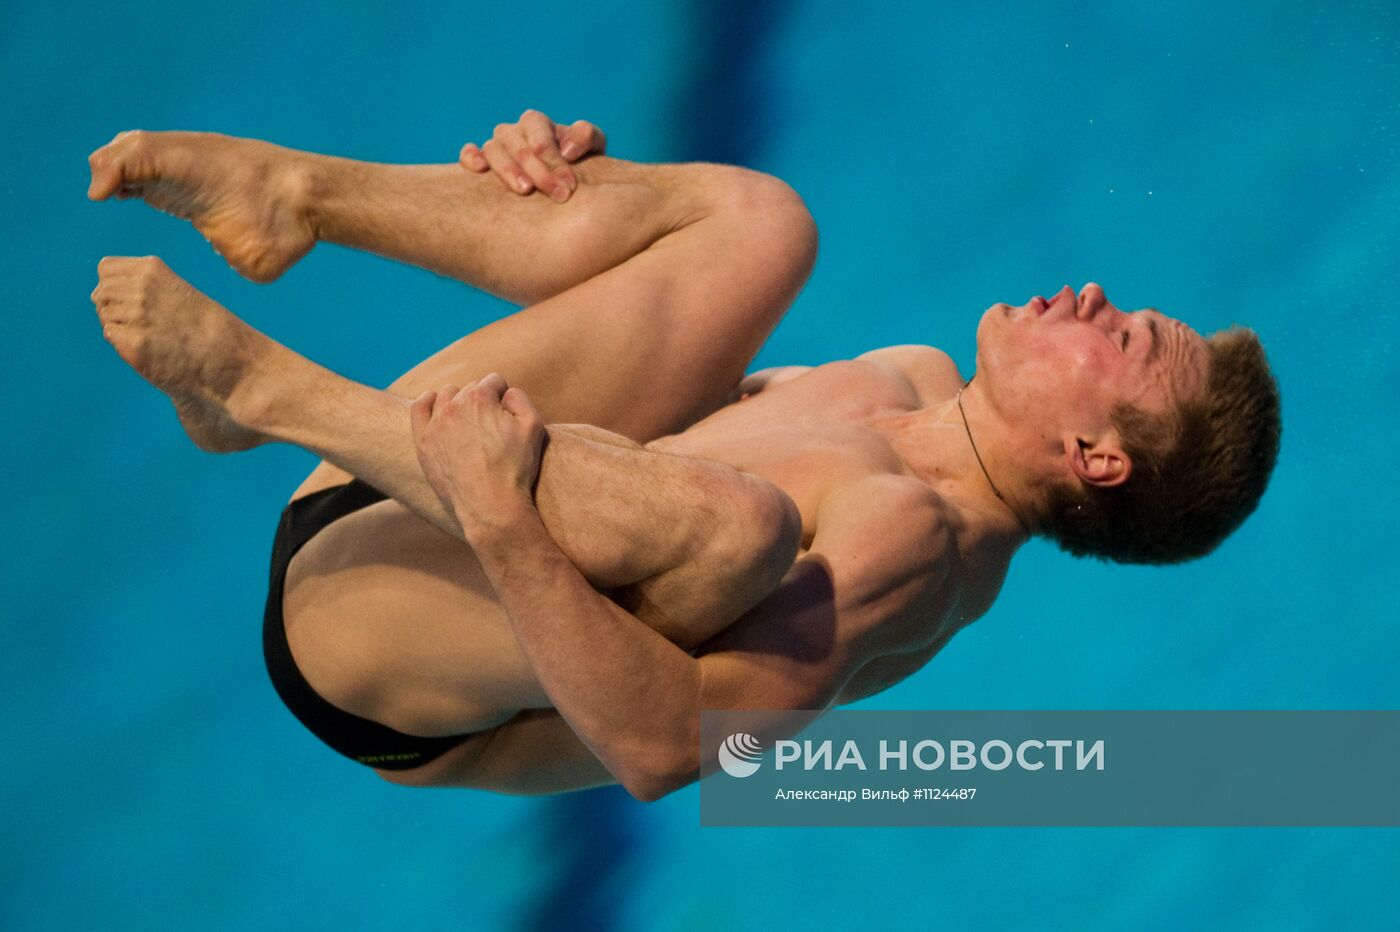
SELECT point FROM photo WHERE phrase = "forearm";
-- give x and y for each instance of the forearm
(626, 691)
(523, 249)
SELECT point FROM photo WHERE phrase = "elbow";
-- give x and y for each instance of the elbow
(659, 777)
(648, 791)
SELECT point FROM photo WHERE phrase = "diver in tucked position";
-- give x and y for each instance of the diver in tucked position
(530, 562)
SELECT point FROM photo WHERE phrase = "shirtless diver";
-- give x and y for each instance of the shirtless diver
(529, 563)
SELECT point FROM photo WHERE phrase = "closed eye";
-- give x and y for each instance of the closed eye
(1126, 336)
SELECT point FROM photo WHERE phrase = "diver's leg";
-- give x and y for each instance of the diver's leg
(691, 266)
(624, 515)
(264, 206)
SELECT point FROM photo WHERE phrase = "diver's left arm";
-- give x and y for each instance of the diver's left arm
(634, 698)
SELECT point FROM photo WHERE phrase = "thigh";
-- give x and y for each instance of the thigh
(657, 342)
(644, 349)
(571, 381)
(390, 619)
(535, 753)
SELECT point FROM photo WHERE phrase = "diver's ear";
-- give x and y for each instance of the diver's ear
(1099, 462)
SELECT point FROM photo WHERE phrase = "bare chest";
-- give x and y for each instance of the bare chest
(806, 435)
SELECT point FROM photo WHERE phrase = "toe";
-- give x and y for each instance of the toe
(106, 175)
(119, 165)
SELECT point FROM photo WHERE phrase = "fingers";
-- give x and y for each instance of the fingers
(472, 158)
(580, 139)
(491, 388)
(432, 404)
(519, 404)
(498, 155)
(420, 412)
(526, 154)
(445, 395)
(542, 159)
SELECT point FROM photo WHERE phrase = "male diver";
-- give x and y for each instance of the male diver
(529, 563)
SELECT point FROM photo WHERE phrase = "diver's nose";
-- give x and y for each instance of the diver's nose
(1091, 301)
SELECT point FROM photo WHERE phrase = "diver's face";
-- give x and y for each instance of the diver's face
(1067, 362)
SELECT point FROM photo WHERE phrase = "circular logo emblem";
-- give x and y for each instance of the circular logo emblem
(740, 754)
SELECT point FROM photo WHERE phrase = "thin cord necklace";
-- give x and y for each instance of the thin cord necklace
(995, 491)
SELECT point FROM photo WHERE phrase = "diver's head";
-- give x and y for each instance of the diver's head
(1137, 439)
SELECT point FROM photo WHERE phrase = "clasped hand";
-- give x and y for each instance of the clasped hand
(480, 449)
(534, 154)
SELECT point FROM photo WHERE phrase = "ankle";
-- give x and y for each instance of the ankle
(305, 185)
(260, 392)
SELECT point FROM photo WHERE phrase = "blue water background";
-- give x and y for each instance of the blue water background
(1226, 162)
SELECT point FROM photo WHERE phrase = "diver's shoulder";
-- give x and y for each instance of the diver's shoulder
(912, 516)
(929, 369)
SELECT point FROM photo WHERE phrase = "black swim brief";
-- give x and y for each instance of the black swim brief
(359, 739)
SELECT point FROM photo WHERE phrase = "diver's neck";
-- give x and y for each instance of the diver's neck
(942, 449)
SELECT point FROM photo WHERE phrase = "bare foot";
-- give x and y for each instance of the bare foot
(184, 344)
(247, 197)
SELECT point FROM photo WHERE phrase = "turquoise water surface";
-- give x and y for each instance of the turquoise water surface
(1231, 162)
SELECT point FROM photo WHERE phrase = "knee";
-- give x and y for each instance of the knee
(761, 536)
(780, 221)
